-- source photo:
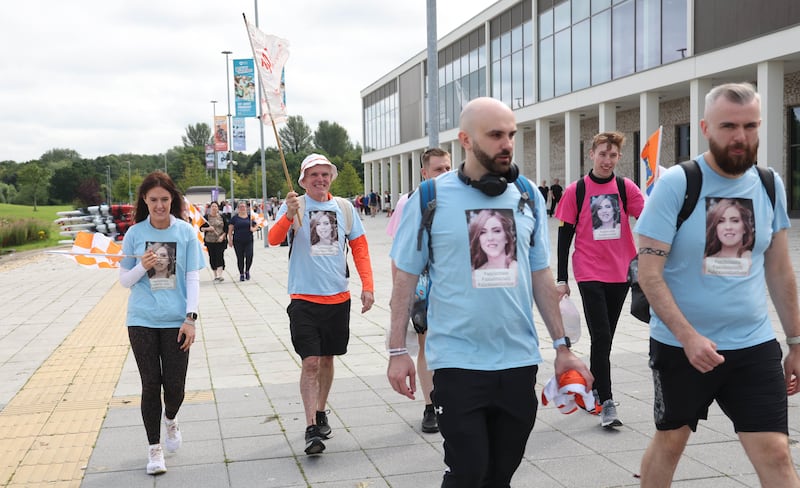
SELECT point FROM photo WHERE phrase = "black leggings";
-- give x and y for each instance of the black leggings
(216, 254)
(602, 305)
(244, 255)
(161, 363)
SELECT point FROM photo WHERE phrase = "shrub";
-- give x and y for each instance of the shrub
(23, 231)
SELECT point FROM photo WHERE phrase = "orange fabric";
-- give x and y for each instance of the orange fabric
(363, 263)
(323, 299)
(277, 233)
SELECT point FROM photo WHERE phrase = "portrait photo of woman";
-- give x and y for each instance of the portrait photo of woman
(493, 247)
(162, 275)
(324, 233)
(730, 236)
(605, 217)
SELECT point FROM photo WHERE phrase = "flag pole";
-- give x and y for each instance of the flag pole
(96, 254)
(271, 119)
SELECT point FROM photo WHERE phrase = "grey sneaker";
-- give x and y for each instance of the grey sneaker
(608, 417)
(322, 423)
(314, 444)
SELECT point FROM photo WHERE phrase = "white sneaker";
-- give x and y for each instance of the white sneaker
(174, 439)
(155, 460)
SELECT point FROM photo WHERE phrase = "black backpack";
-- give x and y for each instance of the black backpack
(640, 307)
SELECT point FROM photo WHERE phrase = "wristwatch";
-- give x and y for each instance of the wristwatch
(564, 341)
(192, 316)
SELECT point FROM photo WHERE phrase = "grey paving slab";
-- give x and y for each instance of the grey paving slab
(246, 427)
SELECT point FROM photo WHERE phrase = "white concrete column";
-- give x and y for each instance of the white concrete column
(770, 134)
(648, 123)
(608, 117)
(572, 146)
(394, 178)
(543, 151)
(367, 175)
(385, 176)
(456, 154)
(697, 106)
(415, 167)
(374, 182)
(519, 153)
(405, 167)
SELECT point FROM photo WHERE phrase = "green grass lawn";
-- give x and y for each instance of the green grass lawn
(45, 214)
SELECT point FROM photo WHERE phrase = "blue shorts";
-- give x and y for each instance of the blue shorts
(749, 387)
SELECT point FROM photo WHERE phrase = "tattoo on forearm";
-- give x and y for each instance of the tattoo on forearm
(653, 251)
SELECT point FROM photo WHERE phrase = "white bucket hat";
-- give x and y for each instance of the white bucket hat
(315, 160)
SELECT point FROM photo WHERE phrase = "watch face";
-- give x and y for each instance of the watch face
(192, 316)
(567, 342)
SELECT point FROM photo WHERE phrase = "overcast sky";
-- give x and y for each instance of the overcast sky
(109, 77)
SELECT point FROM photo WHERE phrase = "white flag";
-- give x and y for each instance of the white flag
(270, 54)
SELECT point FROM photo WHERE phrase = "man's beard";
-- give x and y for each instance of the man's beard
(489, 162)
(733, 165)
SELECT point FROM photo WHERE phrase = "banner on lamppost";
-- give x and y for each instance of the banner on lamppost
(209, 156)
(222, 161)
(238, 134)
(244, 87)
(220, 133)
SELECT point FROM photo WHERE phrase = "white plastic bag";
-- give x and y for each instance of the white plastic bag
(571, 319)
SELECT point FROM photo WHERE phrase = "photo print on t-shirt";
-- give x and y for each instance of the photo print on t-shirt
(492, 248)
(730, 235)
(324, 233)
(162, 275)
(605, 217)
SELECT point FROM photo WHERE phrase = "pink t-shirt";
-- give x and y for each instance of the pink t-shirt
(394, 220)
(604, 244)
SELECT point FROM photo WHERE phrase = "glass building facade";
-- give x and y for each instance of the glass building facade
(382, 118)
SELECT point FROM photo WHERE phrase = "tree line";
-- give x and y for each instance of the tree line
(63, 177)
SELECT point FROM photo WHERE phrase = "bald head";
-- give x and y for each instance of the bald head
(482, 108)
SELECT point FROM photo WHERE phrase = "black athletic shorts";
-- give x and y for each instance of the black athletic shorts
(317, 329)
(749, 387)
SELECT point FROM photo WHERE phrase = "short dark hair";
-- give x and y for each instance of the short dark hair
(434, 151)
(609, 138)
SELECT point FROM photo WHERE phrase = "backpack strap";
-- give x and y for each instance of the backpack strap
(427, 207)
(526, 198)
(694, 181)
(347, 212)
(768, 180)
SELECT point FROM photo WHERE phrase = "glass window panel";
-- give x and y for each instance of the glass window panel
(794, 186)
(496, 48)
(462, 93)
(505, 44)
(483, 91)
(450, 107)
(465, 64)
(456, 65)
(546, 69)
(517, 83)
(581, 61)
(598, 5)
(473, 60)
(516, 38)
(482, 57)
(648, 34)
(442, 107)
(794, 126)
(673, 30)
(474, 85)
(601, 47)
(496, 88)
(561, 16)
(527, 33)
(505, 80)
(545, 23)
(563, 64)
(580, 10)
(623, 38)
(528, 73)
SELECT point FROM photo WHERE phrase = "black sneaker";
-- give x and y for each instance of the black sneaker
(429, 423)
(322, 424)
(314, 444)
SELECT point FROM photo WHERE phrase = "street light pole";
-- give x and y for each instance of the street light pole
(130, 195)
(214, 141)
(108, 184)
(228, 88)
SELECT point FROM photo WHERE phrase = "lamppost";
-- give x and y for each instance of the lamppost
(231, 164)
(228, 97)
(214, 141)
(130, 195)
(108, 184)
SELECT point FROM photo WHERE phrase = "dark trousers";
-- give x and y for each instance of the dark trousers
(485, 418)
(602, 305)
(244, 255)
(553, 203)
(161, 363)
(216, 254)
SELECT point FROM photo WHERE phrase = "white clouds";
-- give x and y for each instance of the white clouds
(103, 77)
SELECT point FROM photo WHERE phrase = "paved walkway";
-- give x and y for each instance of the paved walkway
(69, 395)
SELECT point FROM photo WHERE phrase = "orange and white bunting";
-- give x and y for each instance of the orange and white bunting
(195, 217)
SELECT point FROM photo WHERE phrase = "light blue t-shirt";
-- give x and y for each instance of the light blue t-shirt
(160, 302)
(480, 308)
(318, 259)
(724, 298)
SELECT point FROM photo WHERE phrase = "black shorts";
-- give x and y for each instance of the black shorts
(317, 329)
(749, 387)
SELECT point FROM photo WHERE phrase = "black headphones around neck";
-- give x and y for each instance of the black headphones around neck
(490, 184)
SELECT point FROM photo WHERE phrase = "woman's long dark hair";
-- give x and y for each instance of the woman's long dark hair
(154, 179)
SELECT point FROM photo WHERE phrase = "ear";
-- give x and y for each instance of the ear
(465, 140)
(704, 127)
